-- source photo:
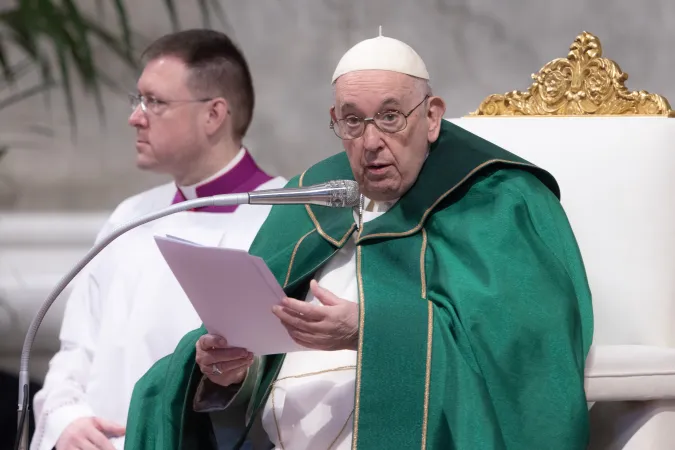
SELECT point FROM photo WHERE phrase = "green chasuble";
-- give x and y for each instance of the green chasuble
(475, 312)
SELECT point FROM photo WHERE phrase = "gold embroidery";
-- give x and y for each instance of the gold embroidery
(274, 414)
(359, 357)
(430, 329)
(427, 381)
(351, 414)
(319, 372)
(423, 277)
(417, 227)
(271, 385)
(304, 375)
(317, 225)
(295, 250)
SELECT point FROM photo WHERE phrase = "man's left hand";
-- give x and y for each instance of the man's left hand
(333, 325)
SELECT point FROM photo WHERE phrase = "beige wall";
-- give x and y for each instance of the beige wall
(472, 48)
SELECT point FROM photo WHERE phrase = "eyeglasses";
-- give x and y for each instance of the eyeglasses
(154, 105)
(352, 126)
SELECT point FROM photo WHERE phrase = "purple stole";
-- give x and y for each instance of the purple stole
(246, 176)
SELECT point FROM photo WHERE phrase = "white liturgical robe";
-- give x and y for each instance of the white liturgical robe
(311, 406)
(127, 311)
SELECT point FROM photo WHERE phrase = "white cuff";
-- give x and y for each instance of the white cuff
(53, 421)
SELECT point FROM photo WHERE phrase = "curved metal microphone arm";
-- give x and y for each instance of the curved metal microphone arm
(24, 378)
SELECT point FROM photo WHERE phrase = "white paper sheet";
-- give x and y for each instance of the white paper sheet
(233, 293)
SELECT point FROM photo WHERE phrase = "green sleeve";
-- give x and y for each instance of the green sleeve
(512, 321)
(160, 414)
(144, 412)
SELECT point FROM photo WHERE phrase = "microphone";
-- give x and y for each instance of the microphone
(335, 194)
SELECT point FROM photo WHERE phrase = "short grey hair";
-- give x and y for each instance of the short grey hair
(421, 85)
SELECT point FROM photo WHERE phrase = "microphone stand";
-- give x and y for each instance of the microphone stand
(24, 378)
(334, 193)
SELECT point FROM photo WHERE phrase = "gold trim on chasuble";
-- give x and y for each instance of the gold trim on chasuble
(419, 226)
(430, 334)
(270, 388)
(317, 225)
(273, 384)
(359, 354)
(430, 329)
(304, 375)
(295, 250)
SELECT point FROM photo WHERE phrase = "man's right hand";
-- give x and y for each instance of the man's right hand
(89, 433)
(222, 364)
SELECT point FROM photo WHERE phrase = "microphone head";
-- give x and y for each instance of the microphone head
(345, 193)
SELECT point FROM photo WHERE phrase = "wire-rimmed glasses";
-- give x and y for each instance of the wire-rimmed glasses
(154, 105)
(391, 121)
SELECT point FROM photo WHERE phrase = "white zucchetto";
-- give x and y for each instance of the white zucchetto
(382, 53)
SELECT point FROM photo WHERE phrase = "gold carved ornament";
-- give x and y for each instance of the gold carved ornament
(584, 83)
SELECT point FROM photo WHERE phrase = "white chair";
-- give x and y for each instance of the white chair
(613, 154)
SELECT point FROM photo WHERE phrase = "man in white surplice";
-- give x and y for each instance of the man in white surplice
(193, 108)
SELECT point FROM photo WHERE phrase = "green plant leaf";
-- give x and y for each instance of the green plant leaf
(72, 35)
(14, 25)
(66, 84)
(123, 19)
(207, 7)
(112, 43)
(7, 71)
(18, 70)
(81, 51)
(100, 9)
(52, 24)
(62, 24)
(110, 83)
(220, 13)
(204, 9)
(24, 94)
(173, 14)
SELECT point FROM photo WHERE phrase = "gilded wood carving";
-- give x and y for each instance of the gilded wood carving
(584, 83)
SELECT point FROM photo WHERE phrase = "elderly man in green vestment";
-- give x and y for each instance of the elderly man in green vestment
(450, 311)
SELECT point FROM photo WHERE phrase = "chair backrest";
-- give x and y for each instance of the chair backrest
(613, 153)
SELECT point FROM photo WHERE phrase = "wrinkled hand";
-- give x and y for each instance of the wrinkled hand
(333, 325)
(89, 433)
(222, 364)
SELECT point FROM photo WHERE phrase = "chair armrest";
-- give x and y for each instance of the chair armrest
(630, 372)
